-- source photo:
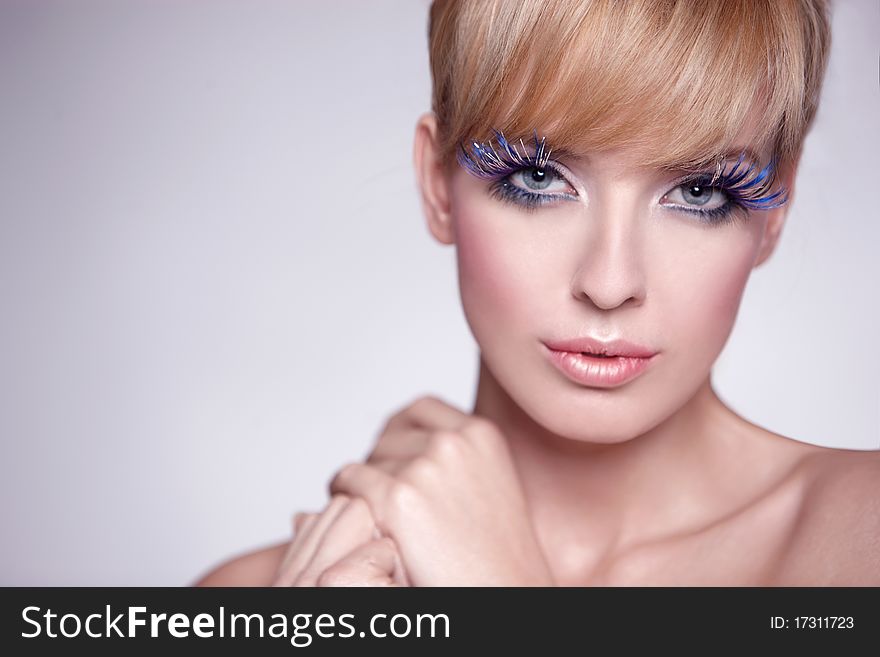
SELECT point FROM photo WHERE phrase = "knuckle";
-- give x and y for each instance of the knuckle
(387, 543)
(343, 474)
(420, 468)
(423, 400)
(359, 506)
(360, 510)
(336, 500)
(401, 416)
(401, 498)
(479, 424)
(392, 421)
(483, 429)
(387, 547)
(445, 437)
(445, 442)
(333, 576)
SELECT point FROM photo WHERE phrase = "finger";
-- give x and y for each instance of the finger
(302, 523)
(372, 564)
(391, 466)
(430, 412)
(400, 443)
(370, 483)
(299, 521)
(406, 433)
(398, 573)
(352, 527)
(302, 526)
(303, 547)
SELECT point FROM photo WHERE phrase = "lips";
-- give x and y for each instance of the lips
(599, 364)
(593, 347)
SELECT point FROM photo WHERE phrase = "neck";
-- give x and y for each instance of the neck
(671, 478)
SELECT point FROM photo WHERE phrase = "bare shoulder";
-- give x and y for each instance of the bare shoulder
(842, 486)
(836, 538)
(255, 568)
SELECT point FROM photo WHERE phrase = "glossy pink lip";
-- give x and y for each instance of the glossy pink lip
(594, 346)
(625, 362)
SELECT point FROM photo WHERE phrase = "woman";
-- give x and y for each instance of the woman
(610, 174)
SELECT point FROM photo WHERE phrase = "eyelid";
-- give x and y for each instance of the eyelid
(565, 173)
(484, 160)
(747, 186)
(697, 175)
(695, 209)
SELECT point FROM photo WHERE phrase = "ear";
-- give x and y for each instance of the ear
(433, 180)
(772, 231)
(776, 218)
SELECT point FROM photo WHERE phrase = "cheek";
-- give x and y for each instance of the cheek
(509, 286)
(499, 274)
(704, 290)
(483, 264)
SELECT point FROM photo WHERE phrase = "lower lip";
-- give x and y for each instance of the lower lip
(598, 372)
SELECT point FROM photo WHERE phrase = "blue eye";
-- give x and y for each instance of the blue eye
(698, 196)
(526, 180)
(742, 190)
(534, 178)
(531, 187)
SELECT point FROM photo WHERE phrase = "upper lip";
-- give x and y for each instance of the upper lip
(605, 348)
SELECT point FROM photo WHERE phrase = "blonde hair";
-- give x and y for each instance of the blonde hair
(676, 79)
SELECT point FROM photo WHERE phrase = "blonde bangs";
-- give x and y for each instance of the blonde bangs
(676, 80)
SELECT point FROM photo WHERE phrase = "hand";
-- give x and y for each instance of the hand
(340, 546)
(443, 485)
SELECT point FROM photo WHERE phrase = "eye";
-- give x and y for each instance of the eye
(530, 187)
(539, 179)
(697, 196)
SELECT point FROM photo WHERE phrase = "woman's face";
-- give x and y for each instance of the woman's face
(615, 258)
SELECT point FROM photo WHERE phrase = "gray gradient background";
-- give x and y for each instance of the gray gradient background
(216, 282)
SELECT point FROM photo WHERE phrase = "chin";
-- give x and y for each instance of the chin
(609, 422)
(583, 425)
(606, 431)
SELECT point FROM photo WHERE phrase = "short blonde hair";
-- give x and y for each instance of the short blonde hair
(676, 79)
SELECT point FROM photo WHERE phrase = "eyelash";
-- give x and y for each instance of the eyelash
(742, 190)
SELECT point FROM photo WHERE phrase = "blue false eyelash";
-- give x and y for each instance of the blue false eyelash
(752, 192)
(742, 188)
(485, 162)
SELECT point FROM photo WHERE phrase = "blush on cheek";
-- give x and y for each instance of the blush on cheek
(486, 270)
(732, 280)
(718, 298)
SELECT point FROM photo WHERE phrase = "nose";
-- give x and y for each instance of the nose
(611, 267)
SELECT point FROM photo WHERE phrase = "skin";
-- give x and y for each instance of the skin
(657, 482)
